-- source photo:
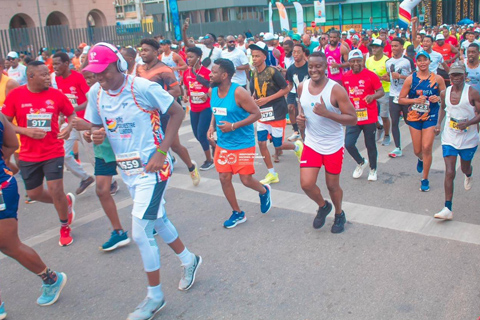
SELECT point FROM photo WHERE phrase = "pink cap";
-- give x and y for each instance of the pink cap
(99, 58)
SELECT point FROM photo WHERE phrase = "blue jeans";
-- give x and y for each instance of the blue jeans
(200, 122)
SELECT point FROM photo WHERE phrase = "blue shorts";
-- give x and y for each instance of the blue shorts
(11, 198)
(425, 124)
(465, 154)
(103, 168)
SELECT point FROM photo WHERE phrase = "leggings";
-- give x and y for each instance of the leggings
(395, 110)
(200, 122)
(351, 138)
(142, 234)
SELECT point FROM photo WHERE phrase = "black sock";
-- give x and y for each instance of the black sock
(75, 156)
(192, 168)
(48, 277)
(64, 223)
(295, 127)
(380, 127)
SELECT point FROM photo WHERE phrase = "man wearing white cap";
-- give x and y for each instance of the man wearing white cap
(364, 89)
(17, 71)
(448, 52)
(274, 57)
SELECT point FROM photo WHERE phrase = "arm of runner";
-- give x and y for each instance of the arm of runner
(441, 113)
(403, 97)
(301, 115)
(65, 133)
(475, 101)
(172, 84)
(445, 66)
(243, 99)
(416, 43)
(11, 84)
(211, 129)
(344, 51)
(10, 142)
(379, 93)
(184, 36)
(243, 67)
(441, 87)
(455, 57)
(348, 116)
(181, 65)
(282, 83)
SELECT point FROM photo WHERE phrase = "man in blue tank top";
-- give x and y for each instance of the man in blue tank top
(234, 113)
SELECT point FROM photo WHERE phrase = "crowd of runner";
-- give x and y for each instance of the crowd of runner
(125, 105)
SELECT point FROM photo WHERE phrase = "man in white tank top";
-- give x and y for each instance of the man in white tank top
(172, 59)
(461, 107)
(323, 111)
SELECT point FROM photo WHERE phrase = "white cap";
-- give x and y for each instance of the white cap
(275, 36)
(355, 37)
(477, 30)
(470, 25)
(344, 32)
(377, 42)
(351, 30)
(391, 31)
(422, 32)
(355, 54)
(261, 34)
(439, 37)
(268, 37)
(260, 45)
(12, 54)
(281, 38)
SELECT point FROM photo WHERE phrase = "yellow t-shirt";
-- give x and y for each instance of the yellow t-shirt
(407, 43)
(380, 68)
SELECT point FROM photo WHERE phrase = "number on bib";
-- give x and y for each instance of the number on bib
(453, 124)
(267, 114)
(362, 114)
(130, 163)
(40, 121)
(422, 107)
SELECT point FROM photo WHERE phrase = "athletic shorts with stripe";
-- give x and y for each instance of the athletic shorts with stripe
(332, 162)
(274, 128)
(235, 161)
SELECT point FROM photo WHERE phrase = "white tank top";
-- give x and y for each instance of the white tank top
(463, 111)
(168, 60)
(323, 135)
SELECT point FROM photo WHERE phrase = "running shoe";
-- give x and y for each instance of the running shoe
(444, 214)
(372, 176)
(3, 313)
(266, 199)
(116, 240)
(295, 136)
(270, 178)
(51, 292)
(89, 182)
(322, 214)
(298, 153)
(114, 187)
(147, 309)
(397, 152)
(29, 201)
(339, 223)
(357, 173)
(380, 134)
(235, 218)
(189, 272)
(386, 141)
(71, 207)
(425, 186)
(207, 165)
(420, 166)
(467, 184)
(195, 175)
(65, 237)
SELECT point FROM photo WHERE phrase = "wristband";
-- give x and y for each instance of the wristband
(161, 151)
(233, 129)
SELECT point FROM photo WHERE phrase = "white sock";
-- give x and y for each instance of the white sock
(155, 293)
(272, 171)
(186, 257)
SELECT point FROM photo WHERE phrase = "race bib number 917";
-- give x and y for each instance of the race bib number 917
(40, 121)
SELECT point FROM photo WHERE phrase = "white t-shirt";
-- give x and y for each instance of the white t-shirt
(216, 53)
(466, 44)
(238, 58)
(18, 74)
(435, 60)
(289, 61)
(401, 66)
(242, 48)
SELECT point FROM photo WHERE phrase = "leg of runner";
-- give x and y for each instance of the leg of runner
(336, 194)
(293, 113)
(369, 136)
(308, 182)
(450, 172)
(200, 122)
(417, 150)
(351, 137)
(395, 113)
(428, 136)
(229, 190)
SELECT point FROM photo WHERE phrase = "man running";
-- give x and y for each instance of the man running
(473, 66)
(10, 244)
(239, 59)
(75, 88)
(269, 89)
(234, 113)
(127, 111)
(461, 106)
(324, 109)
(36, 108)
(17, 71)
(210, 53)
(172, 59)
(336, 53)
(364, 89)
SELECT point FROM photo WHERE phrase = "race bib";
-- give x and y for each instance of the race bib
(196, 97)
(422, 107)
(334, 70)
(40, 121)
(267, 114)
(362, 114)
(72, 98)
(130, 163)
(453, 124)
(220, 111)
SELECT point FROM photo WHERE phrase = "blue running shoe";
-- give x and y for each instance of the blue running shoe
(266, 199)
(147, 309)
(51, 292)
(3, 313)
(235, 218)
(425, 187)
(420, 166)
(116, 240)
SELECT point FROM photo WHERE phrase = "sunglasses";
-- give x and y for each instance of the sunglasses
(206, 37)
(10, 59)
(233, 41)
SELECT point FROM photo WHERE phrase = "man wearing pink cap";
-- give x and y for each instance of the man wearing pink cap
(127, 111)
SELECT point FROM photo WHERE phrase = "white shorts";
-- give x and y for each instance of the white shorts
(148, 192)
(275, 128)
(384, 105)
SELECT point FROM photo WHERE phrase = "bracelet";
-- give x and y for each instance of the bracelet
(233, 129)
(161, 151)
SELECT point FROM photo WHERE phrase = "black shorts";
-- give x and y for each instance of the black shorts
(34, 172)
(103, 168)
(292, 98)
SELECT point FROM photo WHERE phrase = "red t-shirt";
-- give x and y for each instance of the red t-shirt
(363, 48)
(49, 64)
(195, 88)
(75, 88)
(282, 56)
(182, 54)
(445, 51)
(38, 110)
(358, 87)
(387, 49)
(452, 40)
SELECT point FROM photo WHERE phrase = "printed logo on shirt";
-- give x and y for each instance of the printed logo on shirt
(118, 126)
(73, 90)
(26, 105)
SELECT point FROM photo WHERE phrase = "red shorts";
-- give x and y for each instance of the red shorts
(312, 159)
(235, 161)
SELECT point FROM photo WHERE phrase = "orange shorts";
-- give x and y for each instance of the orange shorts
(235, 161)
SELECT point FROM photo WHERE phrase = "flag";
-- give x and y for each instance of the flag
(300, 23)
(175, 19)
(270, 20)
(319, 7)
(283, 17)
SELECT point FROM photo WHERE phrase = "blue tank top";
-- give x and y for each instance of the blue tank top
(271, 60)
(226, 109)
(5, 173)
(428, 87)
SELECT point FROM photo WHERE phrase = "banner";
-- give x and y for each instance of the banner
(283, 17)
(319, 7)
(405, 13)
(270, 18)
(300, 22)
(175, 19)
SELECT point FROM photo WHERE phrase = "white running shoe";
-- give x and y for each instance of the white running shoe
(372, 176)
(295, 136)
(445, 214)
(468, 182)
(359, 169)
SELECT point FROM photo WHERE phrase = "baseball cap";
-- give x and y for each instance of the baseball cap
(355, 54)
(470, 25)
(261, 34)
(439, 37)
(268, 37)
(260, 45)
(85, 49)
(422, 32)
(82, 45)
(377, 42)
(99, 58)
(296, 37)
(423, 53)
(391, 31)
(12, 54)
(166, 41)
(355, 37)
(457, 67)
(281, 38)
(344, 32)
(275, 37)
(477, 30)
(351, 30)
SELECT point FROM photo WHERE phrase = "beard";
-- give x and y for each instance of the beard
(214, 84)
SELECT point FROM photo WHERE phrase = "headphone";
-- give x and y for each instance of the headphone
(122, 64)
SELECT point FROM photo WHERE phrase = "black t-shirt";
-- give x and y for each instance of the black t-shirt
(267, 83)
(296, 75)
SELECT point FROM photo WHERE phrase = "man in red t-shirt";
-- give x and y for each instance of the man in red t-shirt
(75, 88)
(387, 48)
(364, 88)
(37, 107)
(363, 47)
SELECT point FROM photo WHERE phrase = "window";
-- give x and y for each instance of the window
(129, 8)
(118, 10)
